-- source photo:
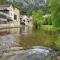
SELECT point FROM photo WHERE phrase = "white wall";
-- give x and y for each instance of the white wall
(11, 12)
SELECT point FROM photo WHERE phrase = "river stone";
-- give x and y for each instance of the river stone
(32, 54)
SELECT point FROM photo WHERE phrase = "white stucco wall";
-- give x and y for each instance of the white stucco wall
(11, 12)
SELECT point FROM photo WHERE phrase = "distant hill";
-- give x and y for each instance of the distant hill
(27, 6)
(33, 2)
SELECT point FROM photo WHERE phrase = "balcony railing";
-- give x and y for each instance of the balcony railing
(1, 19)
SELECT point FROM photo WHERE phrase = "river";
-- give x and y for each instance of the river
(25, 43)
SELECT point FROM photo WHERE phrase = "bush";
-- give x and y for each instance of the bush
(55, 12)
(48, 21)
(37, 17)
(57, 43)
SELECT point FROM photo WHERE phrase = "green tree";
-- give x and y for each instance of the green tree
(55, 12)
(57, 43)
(37, 17)
(3, 1)
(47, 21)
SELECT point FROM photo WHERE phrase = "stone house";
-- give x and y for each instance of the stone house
(8, 10)
(26, 20)
(17, 15)
(9, 15)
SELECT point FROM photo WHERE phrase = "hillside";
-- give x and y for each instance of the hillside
(27, 6)
(33, 2)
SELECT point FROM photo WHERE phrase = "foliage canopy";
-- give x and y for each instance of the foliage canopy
(37, 17)
(55, 12)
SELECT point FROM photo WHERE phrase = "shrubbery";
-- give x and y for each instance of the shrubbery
(37, 18)
(55, 12)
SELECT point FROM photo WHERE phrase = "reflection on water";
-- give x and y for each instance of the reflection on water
(12, 37)
(22, 38)
(25, 30)
(26, 37)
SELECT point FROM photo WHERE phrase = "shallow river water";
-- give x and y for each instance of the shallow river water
(27, 44)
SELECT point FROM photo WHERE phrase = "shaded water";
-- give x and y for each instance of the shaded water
(15, 40)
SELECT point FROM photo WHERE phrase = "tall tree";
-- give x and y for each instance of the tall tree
(55, 12)
(37, 17)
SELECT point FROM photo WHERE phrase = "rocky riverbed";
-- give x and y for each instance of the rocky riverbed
(35, 53)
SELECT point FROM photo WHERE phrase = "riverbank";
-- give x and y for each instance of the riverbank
(40, 53)
(3, 26)
(50, 28)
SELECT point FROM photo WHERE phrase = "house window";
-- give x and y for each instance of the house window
(15, 17)
(4, 11)
(24, 20)
(28, 21)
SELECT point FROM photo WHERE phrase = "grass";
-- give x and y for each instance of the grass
(50, 28)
